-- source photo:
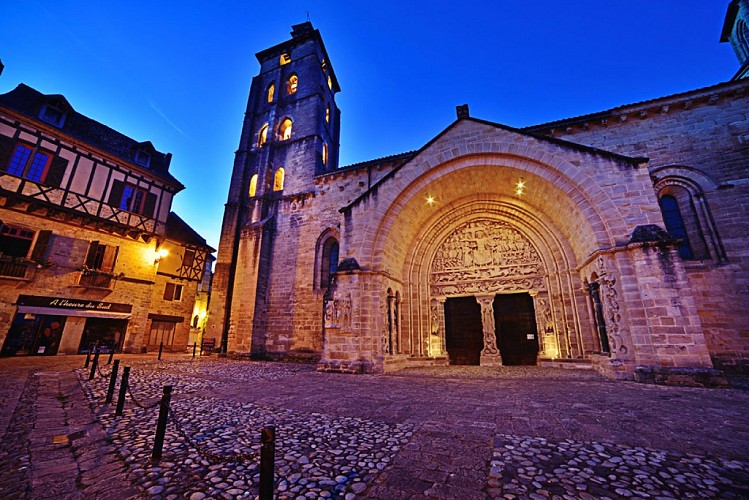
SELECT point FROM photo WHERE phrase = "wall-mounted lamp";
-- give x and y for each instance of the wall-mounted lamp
(160, 254)
(519, 186)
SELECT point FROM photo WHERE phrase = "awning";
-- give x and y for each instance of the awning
(84, 313)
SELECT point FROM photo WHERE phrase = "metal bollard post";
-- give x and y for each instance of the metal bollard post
(158, 442)
(94, 364)
(267, 459)
(111, 353)
(123, 391)
(88, 356)
(161, 348)
(112, 380)
(194, 348)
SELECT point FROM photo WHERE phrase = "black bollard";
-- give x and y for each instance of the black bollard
(88, 356)
(267, 461)
(158, 442)
(112, 380)
(161, 348)
(123, 391)
(194, 348)
(111, 353)
(94, 364)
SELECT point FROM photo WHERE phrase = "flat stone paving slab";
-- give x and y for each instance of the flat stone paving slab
(452, 432)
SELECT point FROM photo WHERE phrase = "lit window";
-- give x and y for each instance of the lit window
(142, 158)
(291, 84)
(327, 114)
(173, 292)
(271, 92)
(52, 114)
(262, 136)
(330, 83)
(253, 185)
(324, 65)
(29, 163)
(285, 58)
(133, 199)
(325, 154)
(278, 179)
(284, 131)
(101, 257)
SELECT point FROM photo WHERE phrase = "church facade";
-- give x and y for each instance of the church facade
(616, 239)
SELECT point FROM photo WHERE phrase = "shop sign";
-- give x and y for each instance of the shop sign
(73, 304)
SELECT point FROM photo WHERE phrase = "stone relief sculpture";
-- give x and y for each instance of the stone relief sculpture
(434, 340)
(611, 306)
(338, 313)
(487, 321)
(485, 256)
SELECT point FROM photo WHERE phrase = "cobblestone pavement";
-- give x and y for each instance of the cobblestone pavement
(455, 432)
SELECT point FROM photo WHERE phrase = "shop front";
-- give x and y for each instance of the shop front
(46, 326)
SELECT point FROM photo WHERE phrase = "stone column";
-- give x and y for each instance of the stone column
(490, 353)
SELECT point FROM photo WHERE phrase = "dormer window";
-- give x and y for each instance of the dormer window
(53, 114)
(291, 84)
(285, 58)
(142, 158)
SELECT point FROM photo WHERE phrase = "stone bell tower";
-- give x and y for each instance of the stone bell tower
(290, 134)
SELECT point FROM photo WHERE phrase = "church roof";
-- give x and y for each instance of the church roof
(28, 101)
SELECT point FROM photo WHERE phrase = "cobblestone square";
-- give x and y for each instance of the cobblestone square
(452, 432)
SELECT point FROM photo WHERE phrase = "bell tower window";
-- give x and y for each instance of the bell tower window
(285, 58)
(325, 154)
(327, 114)
(291, 84)
(284, 131)
(253, 186)
(262, 136)
(278, 179)
(271, 92)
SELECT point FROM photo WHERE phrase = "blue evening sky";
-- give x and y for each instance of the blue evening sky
(178, 73)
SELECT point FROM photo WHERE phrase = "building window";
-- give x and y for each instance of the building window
(330, 83)
(99, 266)
(52, 114)
(327, 114)
(291, 84)
(133, 199)
(324, 65)
(328, 261)
(262, 136)
(675, 225)
(173, 292)
(278, 179)
(29, 162)
(284, 131)
(162, 331)
(189, 258)
(142, 158)
(253, 185)
(285, 58)
(15, 241)
(271, 92)
(325, 154)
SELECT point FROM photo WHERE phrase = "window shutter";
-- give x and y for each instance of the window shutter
(56, 172)
(115, 194)
(169, 291)
(150, 205)
(6, 148)
(91, 255)
(40, 248)
(110, 257)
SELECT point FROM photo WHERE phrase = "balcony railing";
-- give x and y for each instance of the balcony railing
(13, 269)
(96, 279)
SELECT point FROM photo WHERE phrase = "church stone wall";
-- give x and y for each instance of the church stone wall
(706, 135)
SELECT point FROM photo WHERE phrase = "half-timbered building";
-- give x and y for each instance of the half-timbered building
(90, 251)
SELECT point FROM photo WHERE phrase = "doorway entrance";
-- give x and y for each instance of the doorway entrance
(106, 333)
(34, 334)
(464, 333)
(515, 327)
